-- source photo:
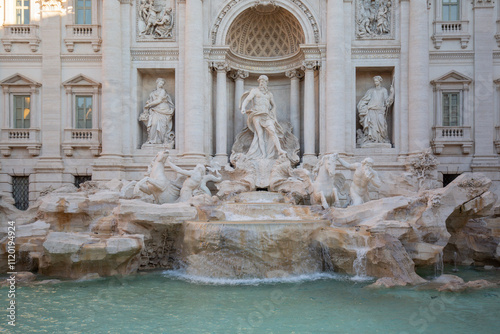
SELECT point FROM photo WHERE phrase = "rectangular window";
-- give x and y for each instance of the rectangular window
(83, 112)
(21, 191)
(451, 10)
(22, 11)
(83, 12)
(22, 111)
(451, 109)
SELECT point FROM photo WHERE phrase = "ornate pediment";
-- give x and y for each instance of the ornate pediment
(452, 77)
(19, 80)
(81, 80)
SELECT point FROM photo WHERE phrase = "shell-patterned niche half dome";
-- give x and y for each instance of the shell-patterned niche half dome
(261, 34)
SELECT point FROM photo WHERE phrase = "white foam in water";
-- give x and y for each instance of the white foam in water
(179, 274)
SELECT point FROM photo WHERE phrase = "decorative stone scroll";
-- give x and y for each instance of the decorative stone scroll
(374, 19)
(155, 20)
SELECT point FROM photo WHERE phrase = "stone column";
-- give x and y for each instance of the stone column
(194, 64)
(111, 105)
(418, 78)
(295, 76)
(335, 78)
(239, 77)
(402, 125)
(50, 33)
(484, 109)
(49, 168)
(221, 113)
(309, 110)
(129, 109)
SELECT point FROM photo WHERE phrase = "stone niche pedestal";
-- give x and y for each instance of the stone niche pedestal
(152, 149)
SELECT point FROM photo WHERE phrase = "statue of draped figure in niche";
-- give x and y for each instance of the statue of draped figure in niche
(264, 137)
(158, 116)
(373, 108)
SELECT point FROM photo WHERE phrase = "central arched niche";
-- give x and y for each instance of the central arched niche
(265, 33)
(265, 40)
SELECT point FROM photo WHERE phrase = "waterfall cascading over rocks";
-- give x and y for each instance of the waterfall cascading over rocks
(104, 230)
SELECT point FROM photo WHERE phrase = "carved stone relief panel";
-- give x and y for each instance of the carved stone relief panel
(155, 20)
(51, 5)
(374, 19)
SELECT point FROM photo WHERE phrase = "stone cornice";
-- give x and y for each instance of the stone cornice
(358, 53)
(264, 66)
(81, 58)
(451, 55)
(154, 54)
(21, 58)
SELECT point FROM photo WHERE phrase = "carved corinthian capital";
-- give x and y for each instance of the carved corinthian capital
(239, 74)
(220, 66)
(310, 65)
(294, 74)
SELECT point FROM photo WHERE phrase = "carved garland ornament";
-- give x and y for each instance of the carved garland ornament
(233, 3)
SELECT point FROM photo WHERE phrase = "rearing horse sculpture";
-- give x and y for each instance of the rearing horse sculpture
(324, 191)
(156, 182)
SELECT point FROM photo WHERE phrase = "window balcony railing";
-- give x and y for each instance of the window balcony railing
(451, 30)
(83, 33)
(452, 136)
(82, 138)
(21, 33)
(13, 138)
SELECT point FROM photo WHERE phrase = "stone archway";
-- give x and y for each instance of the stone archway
(276, 38)
(234, 8)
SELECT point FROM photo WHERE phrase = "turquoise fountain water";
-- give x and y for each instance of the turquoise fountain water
(171, 302)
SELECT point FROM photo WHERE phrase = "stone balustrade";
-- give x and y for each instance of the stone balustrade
(21, 33)
(83, 33)
(452, 135)
(82, 138)
(451, 30)
(27, 138)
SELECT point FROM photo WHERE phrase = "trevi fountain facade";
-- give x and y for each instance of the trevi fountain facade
(251, 138)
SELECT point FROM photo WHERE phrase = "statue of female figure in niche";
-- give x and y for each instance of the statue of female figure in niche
(157, 116)
(372, 110)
